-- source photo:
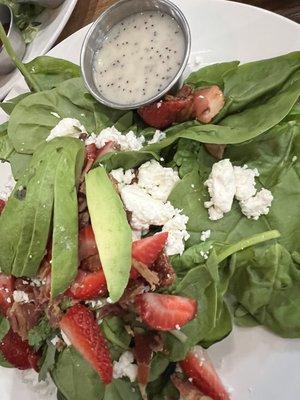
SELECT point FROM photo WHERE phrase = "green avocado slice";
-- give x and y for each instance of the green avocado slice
(111, 229)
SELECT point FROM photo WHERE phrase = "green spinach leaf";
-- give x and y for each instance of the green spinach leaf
(48, 361)
(121, 389)
(4, 327)
(38, 335)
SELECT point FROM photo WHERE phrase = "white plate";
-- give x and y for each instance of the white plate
(255, 363)
(53, 22)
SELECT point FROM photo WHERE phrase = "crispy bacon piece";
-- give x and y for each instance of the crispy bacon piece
(202, 104)
(150, 276)
(146, 344)
(187, 390)
(164, 270)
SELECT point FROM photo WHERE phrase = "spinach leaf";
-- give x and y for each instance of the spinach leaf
(121, 389)
(40, 333)
(27, 129)
(60, 396)
(113, 328)
(50, 72)
(8, 106)
(158, 365)
(48, 361)
(19, 163)
(4, 363)
(6, 148)
(75, 378)
(4, 327)
(211, 74)
(65, 218)
(266, 282)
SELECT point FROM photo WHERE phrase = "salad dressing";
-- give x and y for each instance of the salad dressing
(139, 57)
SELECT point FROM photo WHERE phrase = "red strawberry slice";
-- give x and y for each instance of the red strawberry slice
(87, 243)
(148, 249)
(6, 292)
(199, 368)
(2, 205)
(88, 285)
(86, 336)
(18, 352)
(165, 312)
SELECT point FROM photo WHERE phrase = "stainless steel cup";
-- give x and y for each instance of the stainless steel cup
(16, 40)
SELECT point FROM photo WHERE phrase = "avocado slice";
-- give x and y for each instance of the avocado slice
(65, 217)
(111, 229)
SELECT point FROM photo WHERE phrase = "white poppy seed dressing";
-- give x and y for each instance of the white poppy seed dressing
(139, 57)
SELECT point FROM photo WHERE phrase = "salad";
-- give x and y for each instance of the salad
(133, 240)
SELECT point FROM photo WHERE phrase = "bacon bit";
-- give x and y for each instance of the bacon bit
(134, 288)
(216, 150)
(91, 264)
(208, 103)
(23, 317)
(150, 276)
(164, 270)
(187, 390)
(145, 346)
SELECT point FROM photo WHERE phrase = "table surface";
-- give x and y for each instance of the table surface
(87, 11)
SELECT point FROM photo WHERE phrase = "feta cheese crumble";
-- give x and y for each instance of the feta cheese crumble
(125, 367)
(257, 205)
(205, 235)
(6, 188)
(20, 296)
(65, 338)
(158, 136)
(128, 141)
(226, 182)
(221, 187)
(66, 127)
(146, 198)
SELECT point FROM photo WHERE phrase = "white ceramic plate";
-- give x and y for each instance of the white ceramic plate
(53, 22)
(255, 363)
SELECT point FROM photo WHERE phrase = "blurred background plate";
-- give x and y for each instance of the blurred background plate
(53, 22)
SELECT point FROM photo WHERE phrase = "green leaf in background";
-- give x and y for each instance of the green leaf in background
(159, 364)
(8, 106)
(121, 389)
(49, 72)
(38, 335)
(266, 282)
(19, 163)
(4, 327)
(48, 361)
(113, 328)
(6, 148)
(75, 378)
(69, 99)
(211, 74)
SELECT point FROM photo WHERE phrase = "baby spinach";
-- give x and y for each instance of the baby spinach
(8, 106)
(27, 130)
(121, 389)
(39, 333)
(4, 327)
(48, 361)
(75, 378)
(113, 328)
(266, 282)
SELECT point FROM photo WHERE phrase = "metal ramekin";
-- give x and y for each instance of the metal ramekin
(16, 40)
(106, 21)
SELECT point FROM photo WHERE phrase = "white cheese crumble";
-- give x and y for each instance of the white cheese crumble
(157, 180)
(221, 187)
(205, 235)
(257, 205)
(245, 182)
(20, 296)
(125, 367)
(123, 177)
(55, 340)
(158, 136)
(146, 199)
(128, 141)
(177, 233)
(7, 187)
(226, 182)
(145, 209)
(65, 338)
(67, 127)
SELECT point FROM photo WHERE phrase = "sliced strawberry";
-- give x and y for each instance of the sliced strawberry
(18, 352)
(199, 368)
(2, 205)
(148, 249)
(87, 243)
(165, 312)
(86, 336)
(88, 285)
(6, 292)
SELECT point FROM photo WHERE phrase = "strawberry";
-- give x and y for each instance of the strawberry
(2, 205)
(86, 336)
(6, 292)
(18, 352)
(165, 312)
(148, 249)
(87, 243)
(199, 368)
(88, 285)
